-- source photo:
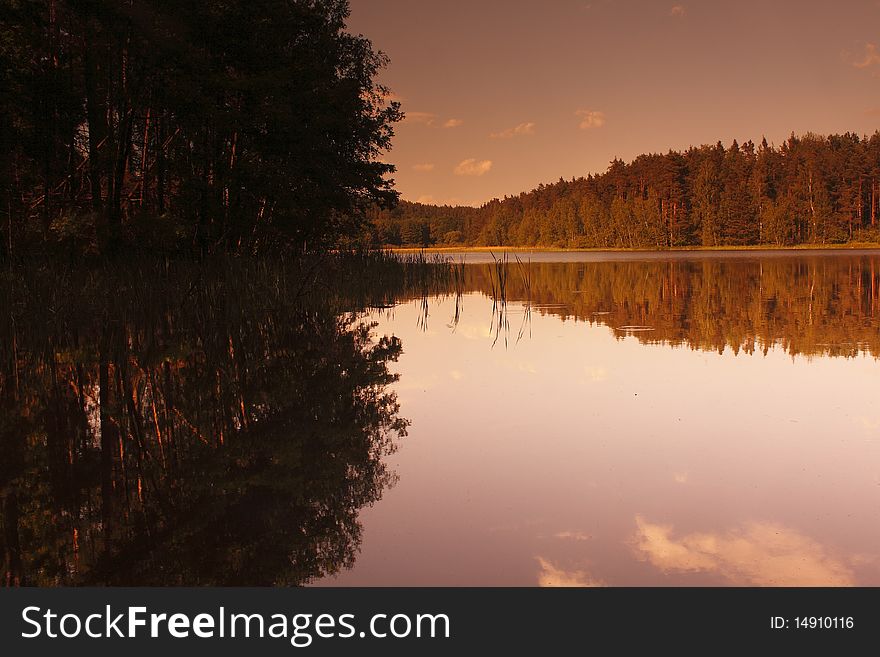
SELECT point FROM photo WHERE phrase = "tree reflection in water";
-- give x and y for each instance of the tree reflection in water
(189, 425)
(224, 422)
(807, 305)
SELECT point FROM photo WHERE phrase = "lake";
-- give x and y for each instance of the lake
(543, 419)
(637, 419)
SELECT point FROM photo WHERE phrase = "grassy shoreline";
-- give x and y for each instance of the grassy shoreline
(849, 246)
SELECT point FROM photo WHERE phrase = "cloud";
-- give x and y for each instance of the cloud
(423, 118)
(597, 374)
(428, 199)
(427, 166)
(526, 128)
(575, 536)
(755, 554)
(677, 11)
(472, 167)
(550, 575)
(473, 331)
(431, 120)
(870, 57)
(590, 119)
(417, 385)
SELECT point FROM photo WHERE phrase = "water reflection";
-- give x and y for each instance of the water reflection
(662, 421)
(819, 304)
(550, 575)
(633, 421)
(755, 554)
(187, 424)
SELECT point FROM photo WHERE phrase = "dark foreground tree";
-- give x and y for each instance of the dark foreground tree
(212, 125)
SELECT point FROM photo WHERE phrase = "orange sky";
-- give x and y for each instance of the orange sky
(502, 95)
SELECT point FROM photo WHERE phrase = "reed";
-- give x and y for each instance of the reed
(498, 280)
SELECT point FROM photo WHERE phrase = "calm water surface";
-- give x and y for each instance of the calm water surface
(694, 420)
(556, 419)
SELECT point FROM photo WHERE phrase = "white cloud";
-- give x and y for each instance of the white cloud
(472, 167)
(453, 123)
(590, 119)
(870, 57)
(427, 166)
(677, 11)
(755, 554)
(525, 128)
(550, 575)
(427, 199)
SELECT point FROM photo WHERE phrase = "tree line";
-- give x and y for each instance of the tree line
(810, 190)
(176, 123)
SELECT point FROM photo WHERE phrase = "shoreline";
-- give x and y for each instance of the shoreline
(849, 246)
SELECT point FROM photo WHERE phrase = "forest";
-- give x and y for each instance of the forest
(242, 127)
(810, 190)
(185, 125)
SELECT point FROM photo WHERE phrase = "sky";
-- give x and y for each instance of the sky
(502, 95)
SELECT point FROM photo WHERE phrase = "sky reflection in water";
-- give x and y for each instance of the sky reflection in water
(586, 455)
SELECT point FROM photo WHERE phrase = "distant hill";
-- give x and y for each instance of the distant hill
(811, 189)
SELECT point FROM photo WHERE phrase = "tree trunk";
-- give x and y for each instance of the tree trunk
(108, 439)
(96, 115)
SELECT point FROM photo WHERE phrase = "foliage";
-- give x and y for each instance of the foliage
(810, 190)
(248, 124)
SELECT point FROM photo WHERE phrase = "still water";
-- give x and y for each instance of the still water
(542, 420)
(695, 420)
